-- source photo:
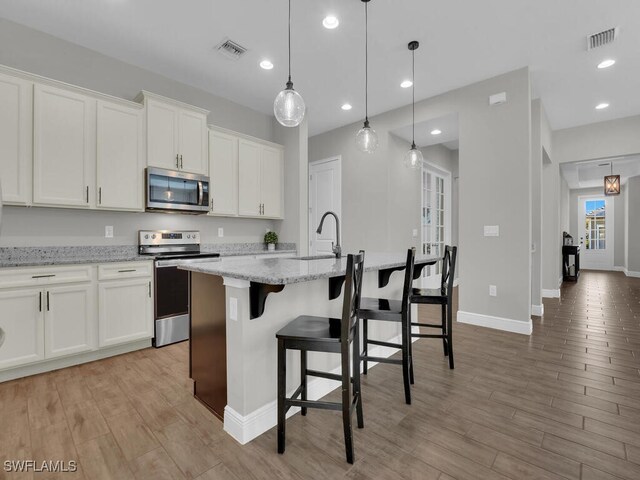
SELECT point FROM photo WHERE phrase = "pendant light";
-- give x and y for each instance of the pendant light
(413, 158)
(289, 106)
(366, 138)
(612, 183)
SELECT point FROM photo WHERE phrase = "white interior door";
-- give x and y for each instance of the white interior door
(596, 232)
(436, 220)
(325, 194)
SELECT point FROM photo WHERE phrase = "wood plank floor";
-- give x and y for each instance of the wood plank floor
(563, 403)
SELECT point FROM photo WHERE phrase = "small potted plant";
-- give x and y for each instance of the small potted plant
(271, 238)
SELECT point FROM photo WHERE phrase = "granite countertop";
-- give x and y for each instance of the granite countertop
(283, 271)
(51, 256)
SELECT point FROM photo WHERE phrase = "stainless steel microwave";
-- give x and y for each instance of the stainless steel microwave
(179, 192)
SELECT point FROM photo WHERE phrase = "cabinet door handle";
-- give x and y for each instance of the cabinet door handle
(177, 161)
(181, 163)
(87, 193)
(40, 302)
(100, 196)
(48, 303)
(212, 204)
(149, 289)
(42, 276)
(127, 271)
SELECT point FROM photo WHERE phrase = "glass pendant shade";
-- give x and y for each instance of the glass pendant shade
(413, 158)
(289, 107)
(367, 139)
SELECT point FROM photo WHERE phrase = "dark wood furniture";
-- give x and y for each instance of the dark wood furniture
(330, 335)
(439, 296)
(391, 311)
(569, 251)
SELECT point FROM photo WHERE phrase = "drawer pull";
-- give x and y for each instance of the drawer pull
(43, 276)
(127, 271)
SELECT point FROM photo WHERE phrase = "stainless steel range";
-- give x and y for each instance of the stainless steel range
(172, 285)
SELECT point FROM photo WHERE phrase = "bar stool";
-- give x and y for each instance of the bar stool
(331, 335)
(439, 296)
(391, 311)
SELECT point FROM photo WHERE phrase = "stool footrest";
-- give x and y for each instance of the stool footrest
(380, 359)
(330, 376)
(313, 404)
(427, 325)
(425, 335)
(384, 344)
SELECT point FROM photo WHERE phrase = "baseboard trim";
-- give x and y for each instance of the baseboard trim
(245, 428)
(58, 363)
(631, 274)
(550, 293)
(498, 323)
(619, 269)
(456, 281)
(537, 310)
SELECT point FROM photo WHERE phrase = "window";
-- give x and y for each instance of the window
(595, 232)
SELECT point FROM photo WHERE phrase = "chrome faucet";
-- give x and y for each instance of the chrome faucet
(335, 247)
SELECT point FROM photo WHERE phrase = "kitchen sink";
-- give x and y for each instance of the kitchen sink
(315, 257)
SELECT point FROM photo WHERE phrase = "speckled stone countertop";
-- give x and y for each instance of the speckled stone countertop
(283, 271)
(48, 256)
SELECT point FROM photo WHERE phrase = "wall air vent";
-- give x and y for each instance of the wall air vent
(231, 49)
(602, 38)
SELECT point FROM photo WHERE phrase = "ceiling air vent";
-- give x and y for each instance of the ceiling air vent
(231, 49)
(602, 38)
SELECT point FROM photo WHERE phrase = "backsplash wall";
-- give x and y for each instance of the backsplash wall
(38, 227)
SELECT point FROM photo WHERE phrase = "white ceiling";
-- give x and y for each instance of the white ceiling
(462, 42)
(448, 125)
(591, 174)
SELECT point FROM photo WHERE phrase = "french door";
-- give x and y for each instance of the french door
(596, 232)
(436, 220)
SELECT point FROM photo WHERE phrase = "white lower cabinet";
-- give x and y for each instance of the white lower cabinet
(125, 311)
(69, 320)
(22, 325)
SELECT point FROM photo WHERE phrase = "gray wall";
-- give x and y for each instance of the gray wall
(576, 229)
(598, 140)
(536, 203)
(381, 198)
(633, 244)
(42, 54)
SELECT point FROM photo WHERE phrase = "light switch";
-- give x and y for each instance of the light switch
(221, 232)
(491, 230)
(498, 98)
(108, 231)
(493, 290)
(415, 232)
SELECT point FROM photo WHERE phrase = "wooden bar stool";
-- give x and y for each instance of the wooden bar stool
(439, 296)
(391, 311)
(331, 335)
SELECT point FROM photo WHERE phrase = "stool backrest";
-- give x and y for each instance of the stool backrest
(352, 294)
(448, 269)
(408, 278)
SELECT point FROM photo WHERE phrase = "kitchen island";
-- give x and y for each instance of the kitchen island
(237, 306)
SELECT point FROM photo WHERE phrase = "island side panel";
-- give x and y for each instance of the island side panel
(252, 352)
(208, 341)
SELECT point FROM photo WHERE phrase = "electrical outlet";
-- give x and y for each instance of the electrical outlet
(415, 232)
(220, 232)
(493, 291)
(233, 308)
(108, 231)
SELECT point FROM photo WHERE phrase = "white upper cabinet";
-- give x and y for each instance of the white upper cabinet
(193, 142)
(271, 182)
(63, 147)
(176, 135)
(120, 157)
(260, 186)
(223, 170)
(16, 139)
(250, 204)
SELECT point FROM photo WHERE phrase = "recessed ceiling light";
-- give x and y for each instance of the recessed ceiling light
(406, 84)
(330, 22)
(606, 63)
(266, 64)
(346, 106)
(436, 132)
(602, 106)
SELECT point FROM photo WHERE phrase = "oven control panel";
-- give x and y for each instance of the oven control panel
(168, 237)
